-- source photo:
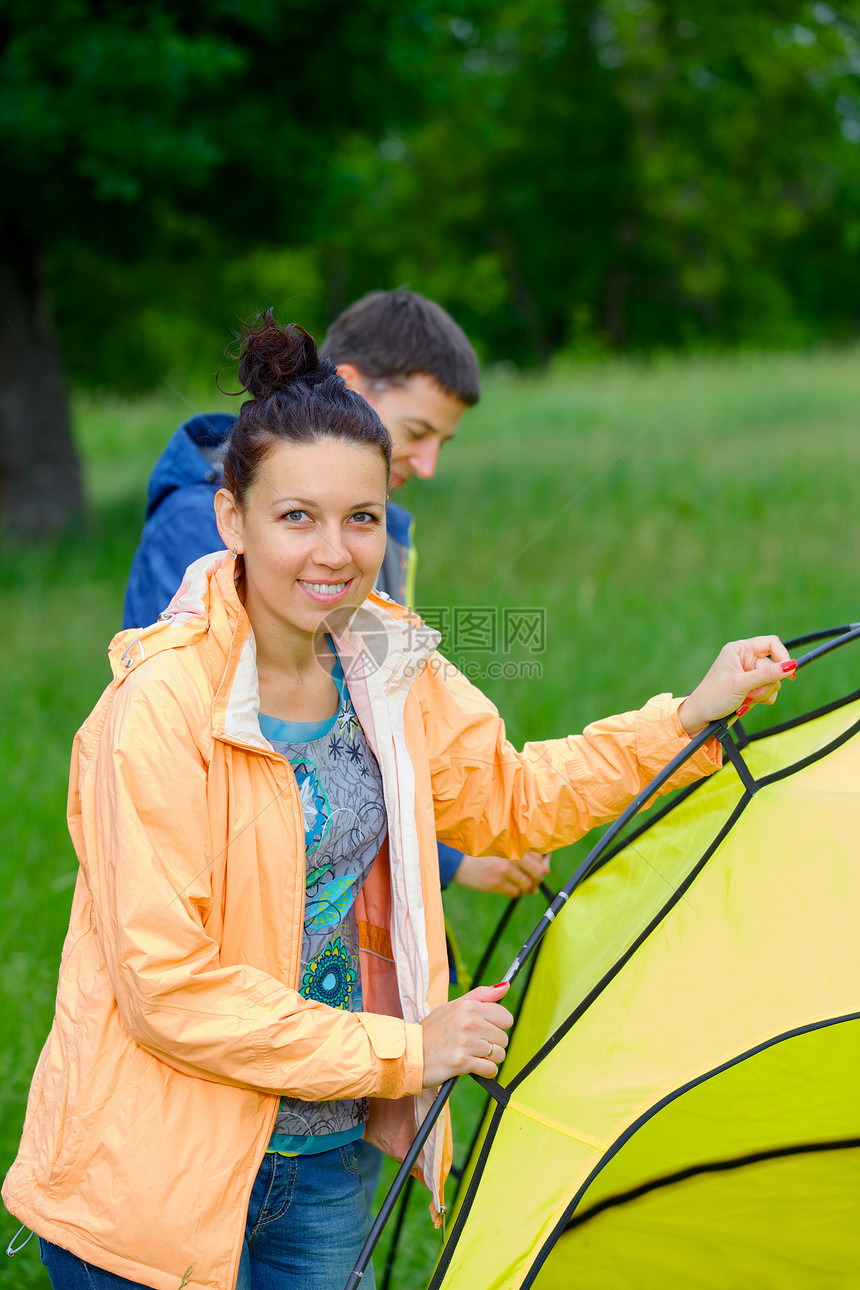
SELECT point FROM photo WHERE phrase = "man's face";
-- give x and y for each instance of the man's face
(418, 414)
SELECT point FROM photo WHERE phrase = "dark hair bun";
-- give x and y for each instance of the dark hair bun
(271, 358)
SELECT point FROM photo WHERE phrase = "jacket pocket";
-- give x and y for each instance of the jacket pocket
(107, 1092)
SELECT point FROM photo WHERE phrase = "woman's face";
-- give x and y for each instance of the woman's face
(312, 534)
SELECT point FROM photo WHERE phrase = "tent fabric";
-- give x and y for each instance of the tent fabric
(680, 1105)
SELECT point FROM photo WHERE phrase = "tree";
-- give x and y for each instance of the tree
(118, 118)
(563, 175)
(627, 173)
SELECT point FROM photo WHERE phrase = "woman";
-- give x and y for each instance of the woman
(255, 974)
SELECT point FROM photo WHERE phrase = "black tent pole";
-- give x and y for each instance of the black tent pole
(399, 1183)
(395, 1235)
(848, 634)
(549, 897)
(845, 633)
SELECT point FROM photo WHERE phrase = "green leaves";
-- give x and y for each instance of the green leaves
(568, 176)
(97, 104)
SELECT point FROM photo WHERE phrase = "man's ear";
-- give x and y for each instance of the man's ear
(353, 378)
(229, 520)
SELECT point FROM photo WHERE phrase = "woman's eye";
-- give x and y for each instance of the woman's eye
(296, 517)
(365, 517)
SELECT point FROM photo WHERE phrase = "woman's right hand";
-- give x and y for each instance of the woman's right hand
(466, 1036)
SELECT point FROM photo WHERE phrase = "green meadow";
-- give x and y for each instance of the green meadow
(591, 538)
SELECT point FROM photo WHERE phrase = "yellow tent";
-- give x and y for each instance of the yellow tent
(680, 1107)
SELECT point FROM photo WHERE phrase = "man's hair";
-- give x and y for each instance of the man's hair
(391, 335)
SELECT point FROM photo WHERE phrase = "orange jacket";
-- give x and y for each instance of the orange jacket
(178, 1023)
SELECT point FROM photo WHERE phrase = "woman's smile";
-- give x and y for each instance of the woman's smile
(327, 593)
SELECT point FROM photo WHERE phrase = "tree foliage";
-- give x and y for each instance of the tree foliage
(636, 173)
(565, 176)
(145, 146)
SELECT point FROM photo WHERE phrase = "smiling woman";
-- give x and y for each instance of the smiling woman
(255, 978)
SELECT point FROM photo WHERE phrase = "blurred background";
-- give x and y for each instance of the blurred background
(567, 178)
(646, 216)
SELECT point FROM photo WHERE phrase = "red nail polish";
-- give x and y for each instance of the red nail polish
(745, 707)
(499, 984)
(790, 665)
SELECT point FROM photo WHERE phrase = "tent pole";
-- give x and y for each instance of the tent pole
(849, 634)
(399, 1182)
(395, 1236)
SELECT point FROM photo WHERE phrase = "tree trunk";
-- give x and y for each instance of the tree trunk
(40, 482)
(618, 284)
(524, 299)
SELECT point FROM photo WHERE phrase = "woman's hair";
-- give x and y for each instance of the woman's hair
(296, 397)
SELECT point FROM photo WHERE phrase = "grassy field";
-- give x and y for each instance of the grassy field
(642, 514)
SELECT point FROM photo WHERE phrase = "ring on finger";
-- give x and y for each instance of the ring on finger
(491, 1049)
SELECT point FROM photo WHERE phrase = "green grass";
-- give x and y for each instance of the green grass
(650, 511)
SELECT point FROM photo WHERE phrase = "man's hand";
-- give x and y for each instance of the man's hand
(505, 877)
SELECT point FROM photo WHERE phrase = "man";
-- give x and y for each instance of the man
(417, 369)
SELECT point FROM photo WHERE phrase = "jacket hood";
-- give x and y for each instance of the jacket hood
(190, 457)
(186, 619)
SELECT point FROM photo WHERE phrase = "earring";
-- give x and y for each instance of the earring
(233, 554)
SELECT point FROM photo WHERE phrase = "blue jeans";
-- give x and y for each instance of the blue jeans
(307, 1222)
(369, 1160)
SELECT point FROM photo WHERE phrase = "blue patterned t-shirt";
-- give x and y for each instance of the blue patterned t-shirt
(340, 787)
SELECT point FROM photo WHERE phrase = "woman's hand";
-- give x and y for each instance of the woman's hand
(744, 673)
(466, 1036)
